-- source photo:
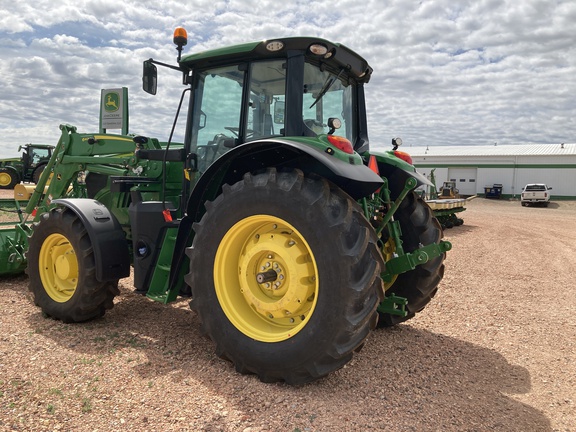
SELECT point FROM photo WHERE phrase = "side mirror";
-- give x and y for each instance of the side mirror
(279, 107)
(149, 77)
(202, 120)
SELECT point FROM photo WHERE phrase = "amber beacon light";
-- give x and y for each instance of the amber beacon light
(180, 39)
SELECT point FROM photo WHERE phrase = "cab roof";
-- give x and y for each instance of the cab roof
(337, 56)
(39, 145)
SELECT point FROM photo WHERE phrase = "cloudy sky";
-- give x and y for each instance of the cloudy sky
(445, 72)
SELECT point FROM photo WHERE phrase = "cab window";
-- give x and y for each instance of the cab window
(265, 115)
(217, 108)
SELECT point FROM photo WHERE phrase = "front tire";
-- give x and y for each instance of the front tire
(285, 276)
(419, 286)
(62, 270)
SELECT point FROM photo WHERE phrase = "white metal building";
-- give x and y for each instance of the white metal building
(476, 167)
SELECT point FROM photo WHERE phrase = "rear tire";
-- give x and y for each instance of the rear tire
(419, 286)
(319, 304)
(62, 270)
(38, 173)
(8, 178)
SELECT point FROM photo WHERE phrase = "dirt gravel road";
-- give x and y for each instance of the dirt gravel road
(494, 351)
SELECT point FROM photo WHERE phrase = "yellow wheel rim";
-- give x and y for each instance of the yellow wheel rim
(388, 253)
(266, 278)
(5, 179)
(58, 268)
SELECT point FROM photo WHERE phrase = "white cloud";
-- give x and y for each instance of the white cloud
(470, 72)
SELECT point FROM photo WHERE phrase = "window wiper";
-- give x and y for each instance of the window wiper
(327, 84)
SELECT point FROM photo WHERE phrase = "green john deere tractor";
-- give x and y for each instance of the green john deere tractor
(291, 237)
(26, 168)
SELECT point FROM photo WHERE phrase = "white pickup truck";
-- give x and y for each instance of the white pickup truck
(535, 193)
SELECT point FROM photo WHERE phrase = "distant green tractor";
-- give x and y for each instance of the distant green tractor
(27, 168)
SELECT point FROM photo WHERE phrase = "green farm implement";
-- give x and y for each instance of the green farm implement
(13, 237)
(446, 203)
(292, 238)
(446, 211)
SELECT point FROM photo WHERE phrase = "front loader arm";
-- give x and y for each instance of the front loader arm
(105, 154)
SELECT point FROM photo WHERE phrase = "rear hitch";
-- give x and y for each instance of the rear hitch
(409, 260)
(393, 305)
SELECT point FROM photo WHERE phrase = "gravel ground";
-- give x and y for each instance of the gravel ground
(494, 351)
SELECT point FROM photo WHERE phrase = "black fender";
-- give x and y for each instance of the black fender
(400, 175)
(12, 171)
(355, 178)
(390, 165)
(420, 179)
(111, 252)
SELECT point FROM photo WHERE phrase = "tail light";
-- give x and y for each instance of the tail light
(403, 155)
(341, 143)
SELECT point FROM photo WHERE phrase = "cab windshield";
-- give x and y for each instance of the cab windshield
(326, 96)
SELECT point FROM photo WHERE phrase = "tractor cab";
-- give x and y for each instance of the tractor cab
(35, 154)
(34, 159)
(307, 89)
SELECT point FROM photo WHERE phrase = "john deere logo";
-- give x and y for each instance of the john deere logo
(112, 102)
